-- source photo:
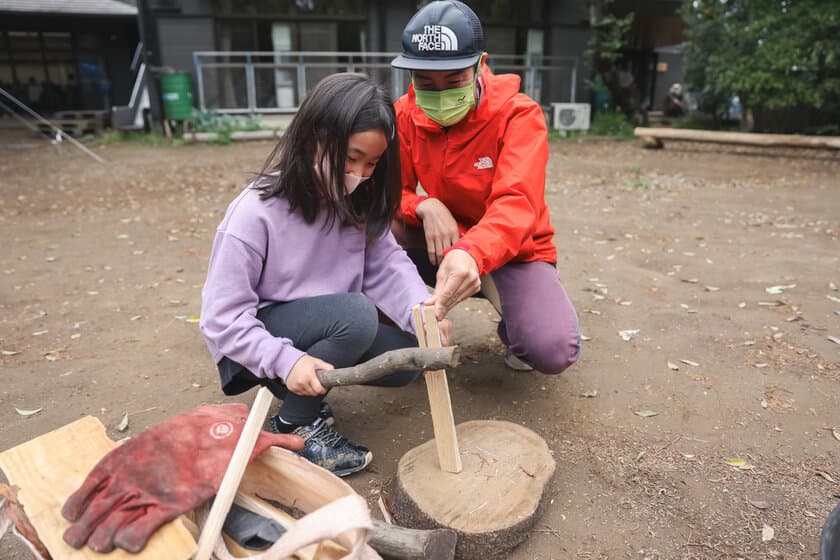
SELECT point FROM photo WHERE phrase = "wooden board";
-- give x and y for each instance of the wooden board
(495, 500)
(51, 467)
(443, 422)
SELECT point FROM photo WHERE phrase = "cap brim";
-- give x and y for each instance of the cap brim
(412, 63)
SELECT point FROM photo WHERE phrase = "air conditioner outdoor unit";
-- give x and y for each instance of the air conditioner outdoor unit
(570, 116)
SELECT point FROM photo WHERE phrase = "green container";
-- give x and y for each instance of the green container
(176, 91)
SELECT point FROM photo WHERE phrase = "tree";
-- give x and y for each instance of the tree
(605, 55)
(773, 54)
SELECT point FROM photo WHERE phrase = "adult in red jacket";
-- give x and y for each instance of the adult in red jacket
(478, 148)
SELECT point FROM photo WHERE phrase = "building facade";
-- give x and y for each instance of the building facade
(264, 55)
(67, 54)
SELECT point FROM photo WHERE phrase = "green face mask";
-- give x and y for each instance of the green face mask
(446, 107)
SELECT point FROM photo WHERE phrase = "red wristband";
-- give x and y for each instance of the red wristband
(463, 245)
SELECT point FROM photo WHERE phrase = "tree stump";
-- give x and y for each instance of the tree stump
(492, 503)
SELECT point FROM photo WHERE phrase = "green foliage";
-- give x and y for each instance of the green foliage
(696, 120)
(774, 54)
(223, 125)
(610, 35)
(612, 123)
(153, 139)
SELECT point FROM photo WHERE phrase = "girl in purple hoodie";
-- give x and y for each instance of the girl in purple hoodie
(304, 263)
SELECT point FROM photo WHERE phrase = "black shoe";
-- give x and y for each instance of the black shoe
(327, 448)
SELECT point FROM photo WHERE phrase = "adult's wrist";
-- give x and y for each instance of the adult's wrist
(462, 245)
(418, 210)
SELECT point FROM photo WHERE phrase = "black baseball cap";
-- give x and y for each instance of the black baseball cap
(444, 35)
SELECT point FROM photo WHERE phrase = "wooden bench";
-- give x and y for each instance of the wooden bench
(654, 137)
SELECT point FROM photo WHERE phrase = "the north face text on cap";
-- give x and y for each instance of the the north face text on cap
(435, 38)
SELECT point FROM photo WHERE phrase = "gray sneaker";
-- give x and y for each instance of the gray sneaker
(515, 363)
(327, 448)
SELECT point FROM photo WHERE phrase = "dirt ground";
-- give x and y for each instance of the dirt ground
(706, 279)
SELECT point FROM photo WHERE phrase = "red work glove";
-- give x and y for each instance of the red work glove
(157, 475)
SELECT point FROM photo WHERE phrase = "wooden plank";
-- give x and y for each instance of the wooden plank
(742, 138)
(51, 467)
(443, 422)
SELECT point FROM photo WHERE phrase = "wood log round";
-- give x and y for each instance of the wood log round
(493, 503)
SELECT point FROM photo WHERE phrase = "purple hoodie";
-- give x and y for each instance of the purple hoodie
(263, 254)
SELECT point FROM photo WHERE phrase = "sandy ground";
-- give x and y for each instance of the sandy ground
(719, 266)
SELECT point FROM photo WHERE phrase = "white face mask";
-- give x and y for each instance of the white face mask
(352, 182)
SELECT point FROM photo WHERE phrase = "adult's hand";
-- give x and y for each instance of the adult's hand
(440, 227)
(445, 327)
(302, 380)
(457, 279)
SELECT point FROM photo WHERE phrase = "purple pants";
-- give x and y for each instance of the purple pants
(539, 323)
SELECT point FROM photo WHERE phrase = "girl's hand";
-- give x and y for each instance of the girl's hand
(302, 380)
(440, 228)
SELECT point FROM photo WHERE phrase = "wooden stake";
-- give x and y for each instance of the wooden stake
(446, 441)
(233, 474)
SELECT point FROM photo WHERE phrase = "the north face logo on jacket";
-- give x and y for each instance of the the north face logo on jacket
(484, 163)
(435, 38)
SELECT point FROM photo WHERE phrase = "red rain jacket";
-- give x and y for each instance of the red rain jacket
(488, 169)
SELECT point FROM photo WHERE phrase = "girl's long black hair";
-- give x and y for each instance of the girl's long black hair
(337, 107)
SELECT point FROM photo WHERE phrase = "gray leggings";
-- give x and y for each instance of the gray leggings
(342, 329)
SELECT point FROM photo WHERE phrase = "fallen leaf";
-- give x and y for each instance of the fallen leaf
(712, 289)
(673, 366)
(10, 352)
(641, 456)
(192, 319)
(809, 514)
(646, 413)
(825, 475)
(590, 394)
(834, 299)
(690, 280)
(585, 338)
(767, 533)
(836, 434)
(39, 333)
(123, 425)
(758, 504)
(28, 412)
(690, 363)
(833, 339)
(626, 335)
(776, 290)
(738, 464)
